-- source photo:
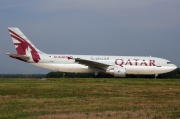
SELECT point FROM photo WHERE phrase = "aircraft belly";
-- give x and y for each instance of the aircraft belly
(78, 68)
(163, 69)
(139, 70)
(147, 69)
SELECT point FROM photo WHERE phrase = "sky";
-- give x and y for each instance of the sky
(91, 27)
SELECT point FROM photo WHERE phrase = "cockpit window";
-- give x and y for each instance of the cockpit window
(168, 62)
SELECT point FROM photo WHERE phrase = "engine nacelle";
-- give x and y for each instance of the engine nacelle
(117, 72)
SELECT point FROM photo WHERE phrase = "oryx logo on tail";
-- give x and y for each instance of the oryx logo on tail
(23, 45)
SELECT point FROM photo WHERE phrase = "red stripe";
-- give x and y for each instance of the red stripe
(17, 38)
(15, 35)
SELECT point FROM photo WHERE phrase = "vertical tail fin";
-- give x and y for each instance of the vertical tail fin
(23, 45)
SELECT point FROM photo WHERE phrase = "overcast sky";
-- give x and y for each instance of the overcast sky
(91, 27)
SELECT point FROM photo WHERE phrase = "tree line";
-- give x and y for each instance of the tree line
(22, 75)
(173, 74)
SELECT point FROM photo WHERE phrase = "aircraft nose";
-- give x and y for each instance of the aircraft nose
(173, 67)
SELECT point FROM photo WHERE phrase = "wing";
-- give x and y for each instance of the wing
(20, 57)
(91, 63)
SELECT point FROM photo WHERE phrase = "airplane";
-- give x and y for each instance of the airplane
(118, 66)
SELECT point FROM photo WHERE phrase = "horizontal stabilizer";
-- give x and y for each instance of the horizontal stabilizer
(20, 57)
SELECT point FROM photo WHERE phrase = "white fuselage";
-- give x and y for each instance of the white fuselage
(133, 65)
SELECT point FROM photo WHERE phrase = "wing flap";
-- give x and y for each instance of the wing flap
(91, 63)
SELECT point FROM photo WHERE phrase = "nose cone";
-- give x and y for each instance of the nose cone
(173, 67)
(170, 68)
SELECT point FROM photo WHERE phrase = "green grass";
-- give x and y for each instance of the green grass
(89, 98)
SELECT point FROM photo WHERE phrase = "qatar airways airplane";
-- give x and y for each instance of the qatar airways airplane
(118, 66)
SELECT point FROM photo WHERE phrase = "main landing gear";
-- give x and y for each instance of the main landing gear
(96, 73)
(155, 76)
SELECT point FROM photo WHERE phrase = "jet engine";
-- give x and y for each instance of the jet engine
(117, 71)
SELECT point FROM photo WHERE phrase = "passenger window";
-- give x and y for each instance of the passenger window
(168, 62)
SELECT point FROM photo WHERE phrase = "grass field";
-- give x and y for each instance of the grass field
(89, 98)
